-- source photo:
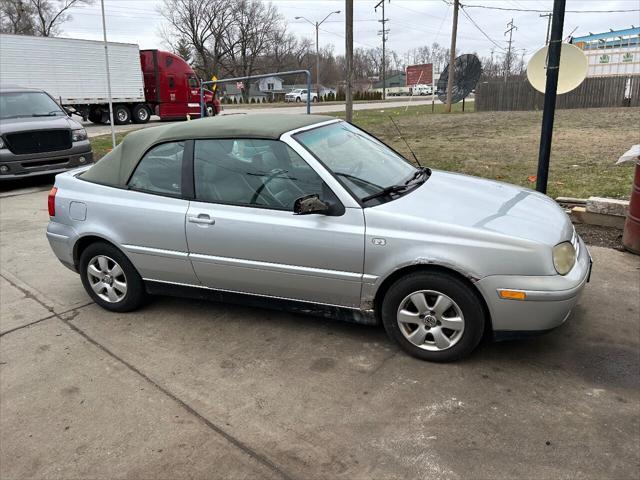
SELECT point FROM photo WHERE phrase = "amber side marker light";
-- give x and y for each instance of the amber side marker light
(512, 294)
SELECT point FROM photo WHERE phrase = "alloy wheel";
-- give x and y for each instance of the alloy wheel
(430, 320)
(107, 279)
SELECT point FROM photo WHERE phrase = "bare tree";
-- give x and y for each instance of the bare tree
(36, 17)
(17, 16)
(50, 15)
(201, 25)
(249, 37)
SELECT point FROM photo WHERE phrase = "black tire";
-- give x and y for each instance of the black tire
(140, 113)
(95, 116)
(452, 287)
(298, 99)
(314, 99)
(121, 114)
(135, 295)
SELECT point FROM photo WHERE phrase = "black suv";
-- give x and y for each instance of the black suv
(37, 136)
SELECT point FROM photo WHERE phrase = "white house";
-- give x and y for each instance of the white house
(270, 84)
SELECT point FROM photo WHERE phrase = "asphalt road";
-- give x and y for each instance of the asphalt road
(96, 130)
(189, 389)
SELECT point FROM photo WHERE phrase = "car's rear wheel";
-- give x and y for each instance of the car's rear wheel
(110, 279)
(433, 316)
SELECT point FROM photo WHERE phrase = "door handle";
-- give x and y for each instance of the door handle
(201, 218)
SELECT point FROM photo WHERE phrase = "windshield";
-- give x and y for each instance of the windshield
(28, 104)
(365, 165)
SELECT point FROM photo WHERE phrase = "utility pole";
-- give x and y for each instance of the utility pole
(383, 32)
(452, 55)
(548, 15)
(510, 28)
(349, 60)
(317, 27)
(106, 60)
(550, 92)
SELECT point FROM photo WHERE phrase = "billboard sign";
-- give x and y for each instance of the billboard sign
(419, 74)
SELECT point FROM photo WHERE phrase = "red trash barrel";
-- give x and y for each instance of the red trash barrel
(631, 233)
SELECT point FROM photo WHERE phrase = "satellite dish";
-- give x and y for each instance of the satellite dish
(573, 68)
(467, 71)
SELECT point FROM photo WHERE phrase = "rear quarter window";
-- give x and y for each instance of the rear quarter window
(160, 170)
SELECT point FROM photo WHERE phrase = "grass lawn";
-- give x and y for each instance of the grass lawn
(504, 145)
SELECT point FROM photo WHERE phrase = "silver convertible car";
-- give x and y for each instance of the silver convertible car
(312, 213)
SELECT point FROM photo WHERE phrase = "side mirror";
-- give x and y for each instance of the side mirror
(310, 204)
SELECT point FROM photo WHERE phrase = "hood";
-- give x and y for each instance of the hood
(23, 124)
(484, 205)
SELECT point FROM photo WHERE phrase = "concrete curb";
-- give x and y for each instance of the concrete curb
(605, 212)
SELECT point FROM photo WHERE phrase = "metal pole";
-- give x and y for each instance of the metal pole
(266, 75)
(201, 100)
(452, 56)
(548, 15)
(317, 60)
(553, 67)
(106, 58)
(349, 61)
(308, 92)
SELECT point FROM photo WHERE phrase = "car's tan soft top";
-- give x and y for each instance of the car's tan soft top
(116, 167)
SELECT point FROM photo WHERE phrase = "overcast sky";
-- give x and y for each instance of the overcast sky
(412, 23)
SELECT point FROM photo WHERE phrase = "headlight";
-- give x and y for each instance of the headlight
(1, 143)
(564, 257)
(78, 135)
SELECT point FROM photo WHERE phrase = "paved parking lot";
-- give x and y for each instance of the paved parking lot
(188, 389)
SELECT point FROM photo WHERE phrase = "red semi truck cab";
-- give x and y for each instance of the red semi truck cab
(171, 87)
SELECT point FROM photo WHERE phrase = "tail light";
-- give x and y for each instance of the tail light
(51, 201)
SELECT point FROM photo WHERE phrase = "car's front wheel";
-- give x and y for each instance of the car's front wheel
(110, 279)
(433, 316)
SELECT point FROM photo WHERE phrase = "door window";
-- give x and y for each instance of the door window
(250, 172)
(193, 82)
(160, 170)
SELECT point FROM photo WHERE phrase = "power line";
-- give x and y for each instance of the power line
(507, 9)
(480, 29)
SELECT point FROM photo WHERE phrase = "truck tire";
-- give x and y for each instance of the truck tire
(298, 99)
(121, 114)
(314, 99)
(140, 113)
(95, 116)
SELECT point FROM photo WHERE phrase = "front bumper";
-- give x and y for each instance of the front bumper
(20, 166)
(549, 299)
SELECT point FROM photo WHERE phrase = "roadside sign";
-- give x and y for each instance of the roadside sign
(214, 86)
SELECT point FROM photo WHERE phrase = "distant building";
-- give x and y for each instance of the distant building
(270, 84)
(395, 80)
(616, 52)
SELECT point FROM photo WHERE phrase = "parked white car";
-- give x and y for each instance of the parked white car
(300, 95)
